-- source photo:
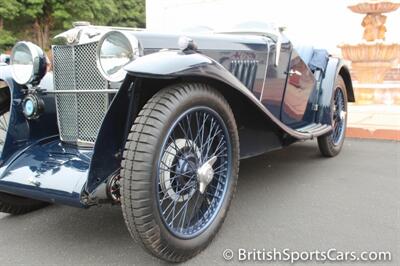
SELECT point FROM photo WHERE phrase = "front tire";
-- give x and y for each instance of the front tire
(5, 101)
(330, 145)
(179, 170)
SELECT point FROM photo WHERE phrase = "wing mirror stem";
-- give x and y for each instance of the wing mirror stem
(278, 44)
(278, 49)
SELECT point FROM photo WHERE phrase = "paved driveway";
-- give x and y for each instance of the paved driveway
(291, 198)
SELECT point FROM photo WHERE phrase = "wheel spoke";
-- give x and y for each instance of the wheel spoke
(196, 137)
(178, 174)
(338, 120)
(208, 140)
(3, 129)
(169, 167)
(189, 125)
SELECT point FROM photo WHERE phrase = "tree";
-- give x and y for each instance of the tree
(7, 40)
(47, 15)
(38, 20)
(94, 11)
(9, 9)
(131, 13)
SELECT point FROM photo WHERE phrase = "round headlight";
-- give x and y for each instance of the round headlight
(115, 50)
(28, 63)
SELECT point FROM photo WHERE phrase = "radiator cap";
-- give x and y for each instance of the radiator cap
(80, 24)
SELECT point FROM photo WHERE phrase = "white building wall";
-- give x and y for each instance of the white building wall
(325, 23)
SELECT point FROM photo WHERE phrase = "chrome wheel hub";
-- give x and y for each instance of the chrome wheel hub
(342, 115)
(205, 174)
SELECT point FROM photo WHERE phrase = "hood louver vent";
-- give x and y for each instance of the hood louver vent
(245, 71)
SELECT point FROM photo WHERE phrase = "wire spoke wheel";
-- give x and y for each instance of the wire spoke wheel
(339, 116)
(331, 144)
(196, 137)
(179, 170)
(4, 121)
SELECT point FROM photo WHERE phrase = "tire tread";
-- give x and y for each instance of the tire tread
(136, 167)
(325, 143)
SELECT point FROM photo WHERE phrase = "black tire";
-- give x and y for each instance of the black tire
(4, 100)
(18, 205)
(327, 145)
(139, 170)
(4, 115)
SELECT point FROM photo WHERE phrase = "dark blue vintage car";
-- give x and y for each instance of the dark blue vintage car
(158, 123)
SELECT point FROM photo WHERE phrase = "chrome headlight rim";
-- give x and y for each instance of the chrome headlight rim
(135, 50)
(38, 67)
(32, 106)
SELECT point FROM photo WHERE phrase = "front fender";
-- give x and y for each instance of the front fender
(111, 139)
(162, 68)
(334, 68)
(21, 132)
(18, 126)
(177, 64)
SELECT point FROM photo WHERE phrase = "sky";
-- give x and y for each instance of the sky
(323, 23)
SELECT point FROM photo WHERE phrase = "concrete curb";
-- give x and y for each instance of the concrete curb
(383, 134)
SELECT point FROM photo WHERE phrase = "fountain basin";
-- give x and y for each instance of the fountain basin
(385, 94)
(374, 7)
(370, 61)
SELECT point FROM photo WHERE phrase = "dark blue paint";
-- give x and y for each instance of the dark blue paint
(110, 140)
(158, 66)
(299, 88)
(22, 132)
(276, 79)
(334, 68)
(67, 174)
(59, 170)
(33, 150)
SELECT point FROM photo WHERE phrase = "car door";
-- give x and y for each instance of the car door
(276, 75)
(296, 100)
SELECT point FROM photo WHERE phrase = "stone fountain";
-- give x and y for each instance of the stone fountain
(374, 57)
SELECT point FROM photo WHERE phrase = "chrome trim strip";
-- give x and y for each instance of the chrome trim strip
(271, 34)
(83, 91)
(266, 71)
(84, 144)
(79, 143)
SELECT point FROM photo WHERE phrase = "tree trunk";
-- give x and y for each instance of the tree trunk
(38, 32)
(46, 35)
(1, 23)
(47, 25)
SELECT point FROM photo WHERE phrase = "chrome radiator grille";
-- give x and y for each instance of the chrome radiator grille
(81, 112)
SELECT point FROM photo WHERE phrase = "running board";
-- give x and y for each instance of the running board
(314, 130)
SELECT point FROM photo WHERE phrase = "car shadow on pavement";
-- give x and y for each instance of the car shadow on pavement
(65, 235)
